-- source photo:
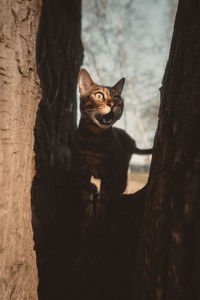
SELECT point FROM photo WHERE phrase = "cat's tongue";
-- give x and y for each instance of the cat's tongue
(105, 119)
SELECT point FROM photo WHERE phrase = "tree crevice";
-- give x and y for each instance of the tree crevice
(147, 248)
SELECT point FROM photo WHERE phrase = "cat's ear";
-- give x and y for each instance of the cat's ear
(118, 87)
(85, 82)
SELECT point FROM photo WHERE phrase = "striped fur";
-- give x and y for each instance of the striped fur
(102, 151)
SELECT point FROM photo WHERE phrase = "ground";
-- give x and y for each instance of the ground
(135, 182)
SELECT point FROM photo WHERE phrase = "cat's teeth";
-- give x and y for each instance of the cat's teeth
(107, 122)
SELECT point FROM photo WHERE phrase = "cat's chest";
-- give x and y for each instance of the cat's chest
(96, 156)
(95, 150)
(95, 161)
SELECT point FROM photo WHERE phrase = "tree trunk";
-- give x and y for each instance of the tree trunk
(56, 207)
(19, 100)
(149, 247)
(168, 260)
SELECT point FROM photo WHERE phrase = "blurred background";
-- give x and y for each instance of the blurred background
(131, 39)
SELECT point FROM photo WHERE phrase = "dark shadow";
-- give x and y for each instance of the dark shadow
(72, 264)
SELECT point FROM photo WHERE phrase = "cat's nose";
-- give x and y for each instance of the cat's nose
(110, 104)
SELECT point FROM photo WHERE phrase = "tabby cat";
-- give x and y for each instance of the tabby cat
(103, 151)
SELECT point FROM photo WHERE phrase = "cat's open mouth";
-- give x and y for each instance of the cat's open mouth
(105, 119)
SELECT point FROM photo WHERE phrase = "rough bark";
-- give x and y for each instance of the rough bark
(168, 264)
(148, 248)
(19, 100)
(56, 208)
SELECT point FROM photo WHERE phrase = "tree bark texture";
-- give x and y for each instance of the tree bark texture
(168, 260)
(56, 207)
(19, 100)
(149, 246)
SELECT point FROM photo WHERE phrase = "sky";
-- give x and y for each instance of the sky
(131, 39)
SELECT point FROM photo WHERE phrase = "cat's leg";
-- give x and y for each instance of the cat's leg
(95, 197)
(111, 189)
(87, 194)
(82, 178)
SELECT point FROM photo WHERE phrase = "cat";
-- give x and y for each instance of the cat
(103, 151)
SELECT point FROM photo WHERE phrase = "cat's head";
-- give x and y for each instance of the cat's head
(100, 104)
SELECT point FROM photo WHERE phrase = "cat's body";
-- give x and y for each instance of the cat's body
(103, 151)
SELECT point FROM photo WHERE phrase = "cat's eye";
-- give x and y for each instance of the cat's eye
(117, 99)
(99, 96)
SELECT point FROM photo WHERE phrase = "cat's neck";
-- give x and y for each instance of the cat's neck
(86, 126)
